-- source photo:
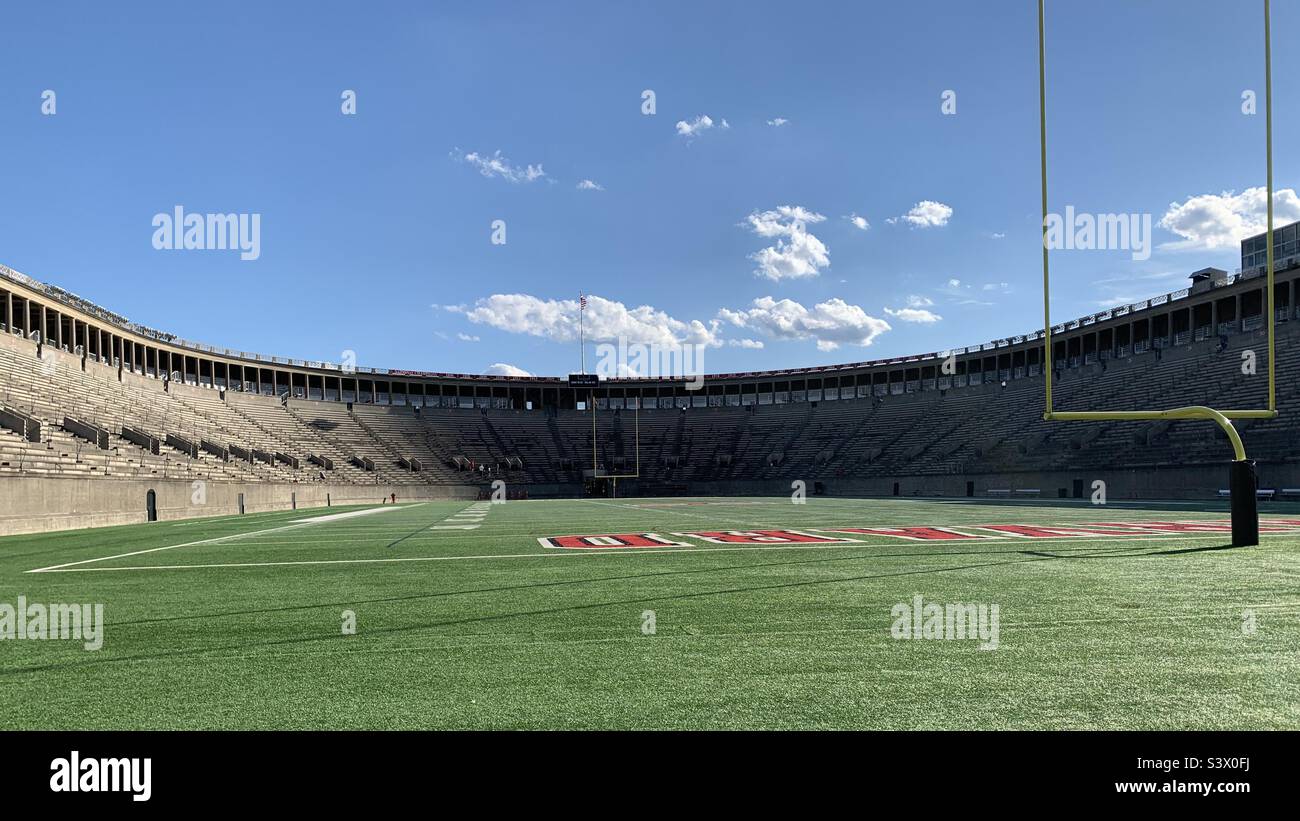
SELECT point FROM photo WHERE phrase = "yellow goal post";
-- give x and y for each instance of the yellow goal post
(1242, 481)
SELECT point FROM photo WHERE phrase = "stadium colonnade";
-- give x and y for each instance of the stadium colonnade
(104, 421)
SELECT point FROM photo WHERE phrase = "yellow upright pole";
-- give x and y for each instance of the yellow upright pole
(1268, 238)
(1049, 359)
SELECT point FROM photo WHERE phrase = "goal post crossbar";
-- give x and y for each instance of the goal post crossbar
(595, 460)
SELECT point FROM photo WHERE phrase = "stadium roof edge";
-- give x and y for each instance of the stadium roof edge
(80, 303)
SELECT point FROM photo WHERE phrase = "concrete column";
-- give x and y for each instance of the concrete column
(9, 311)
(44, 336)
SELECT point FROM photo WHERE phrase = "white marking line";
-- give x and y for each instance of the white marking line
(62, 568)
(465, 519)
(383, 536)
(623, 551)
(334, 517)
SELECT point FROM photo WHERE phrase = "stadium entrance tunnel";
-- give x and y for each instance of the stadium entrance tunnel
(151, 505)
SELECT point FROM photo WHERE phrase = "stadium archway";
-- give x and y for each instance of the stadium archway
(151, 505)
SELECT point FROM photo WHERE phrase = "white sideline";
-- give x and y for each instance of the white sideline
(622, 551)
(299, 523)
(334, 517)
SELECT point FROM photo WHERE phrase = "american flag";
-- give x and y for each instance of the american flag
(582, 302)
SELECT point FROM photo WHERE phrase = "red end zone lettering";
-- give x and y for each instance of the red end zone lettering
(1212, 526)
(920, 534)
(1175, 527)
(612, 540)
(1065, 531)
(764, 537)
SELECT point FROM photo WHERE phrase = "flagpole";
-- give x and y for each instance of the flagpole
(582, 342)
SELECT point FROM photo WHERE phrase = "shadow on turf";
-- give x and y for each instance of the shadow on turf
(550, 611)
(1032, 556)
(591, 580)
(1102, 554)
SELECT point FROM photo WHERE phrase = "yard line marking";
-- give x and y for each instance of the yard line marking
(71, 568)
(61, 568)
(379, 535)
(334, 517)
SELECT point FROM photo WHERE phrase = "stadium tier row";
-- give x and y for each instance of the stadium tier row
(62, 416)
(84, 393)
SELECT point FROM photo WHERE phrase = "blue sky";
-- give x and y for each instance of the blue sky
(376, 228)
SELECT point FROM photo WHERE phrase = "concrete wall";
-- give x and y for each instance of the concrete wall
(32, 504)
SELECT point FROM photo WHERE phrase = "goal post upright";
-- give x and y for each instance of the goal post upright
(636, 432)
(1242, 480)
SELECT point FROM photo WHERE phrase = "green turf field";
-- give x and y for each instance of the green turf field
(238, 622)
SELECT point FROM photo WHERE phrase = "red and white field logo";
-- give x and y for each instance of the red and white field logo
(919, 534)
(835, 535)
(760, 537)
(608, 541)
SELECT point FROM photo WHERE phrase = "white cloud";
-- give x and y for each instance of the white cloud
(1127, 289)
(830, 324)
(914, 315)
(915, 301)
(961, 292)
(998, 235)
(752, 344)
(698, 126)
(1003, 287)
(777, 122)
(858, 222)
(797, 253)
(604, 321)
(779, 221)
(925, 214)
(495, 165)
(590, 185)
(502, 369)
(464, 337)
(1208, 221)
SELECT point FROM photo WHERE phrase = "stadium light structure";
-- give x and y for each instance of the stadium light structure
(1242, 479)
